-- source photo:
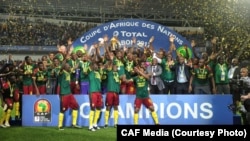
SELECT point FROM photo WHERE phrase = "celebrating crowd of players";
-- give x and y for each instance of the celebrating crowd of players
(120, 70)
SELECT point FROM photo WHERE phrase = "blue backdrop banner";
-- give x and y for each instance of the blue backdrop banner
(43, 110)
(126, 29)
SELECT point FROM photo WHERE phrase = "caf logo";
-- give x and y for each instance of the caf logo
(42, 111)
(42, 106)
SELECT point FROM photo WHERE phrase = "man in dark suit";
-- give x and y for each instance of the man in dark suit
(182, 76)
(234, 77)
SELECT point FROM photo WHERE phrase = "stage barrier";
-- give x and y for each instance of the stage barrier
(171, 109)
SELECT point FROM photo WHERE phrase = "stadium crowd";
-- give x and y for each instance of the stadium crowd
(22, 31)
(213, 71)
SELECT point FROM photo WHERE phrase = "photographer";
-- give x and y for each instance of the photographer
(245, 95)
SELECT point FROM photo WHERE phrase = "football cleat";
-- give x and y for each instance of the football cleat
(106, 126)
(96, 127)
(92, 129)
(76, 126)
(60, 128)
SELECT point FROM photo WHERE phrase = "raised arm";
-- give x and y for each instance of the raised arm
(141, 72)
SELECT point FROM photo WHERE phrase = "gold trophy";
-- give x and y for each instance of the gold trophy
(114, 43)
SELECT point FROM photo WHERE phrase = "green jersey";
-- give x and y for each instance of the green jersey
(40, 76)
(211, 64)
(129, 68)
(27, 77)
(167, 73)
(221, 72)
(55, 71)
(104, 77)
(141, 85)
(49, 68)
(94, 81)
(84, 70)
(120, 65)
(201, 76)
(64, 82)
(113, 82)
(72, 64)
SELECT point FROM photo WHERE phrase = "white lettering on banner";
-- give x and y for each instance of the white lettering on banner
(116, 33)
(129, 110)
(179, 111)
(133, 34)
(185, 110)
(161, 110)
(123, 24)
(128, 43)
(206, 108)
(149, 26)
(82, 107)
(203, 110)
(126, 34)
(164, 30)
(84, 39)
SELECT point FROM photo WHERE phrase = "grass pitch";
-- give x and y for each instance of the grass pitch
(19, 133)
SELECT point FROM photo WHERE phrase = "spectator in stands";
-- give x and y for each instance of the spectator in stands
(19, 31)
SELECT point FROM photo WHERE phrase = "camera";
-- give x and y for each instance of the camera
(241, 85)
